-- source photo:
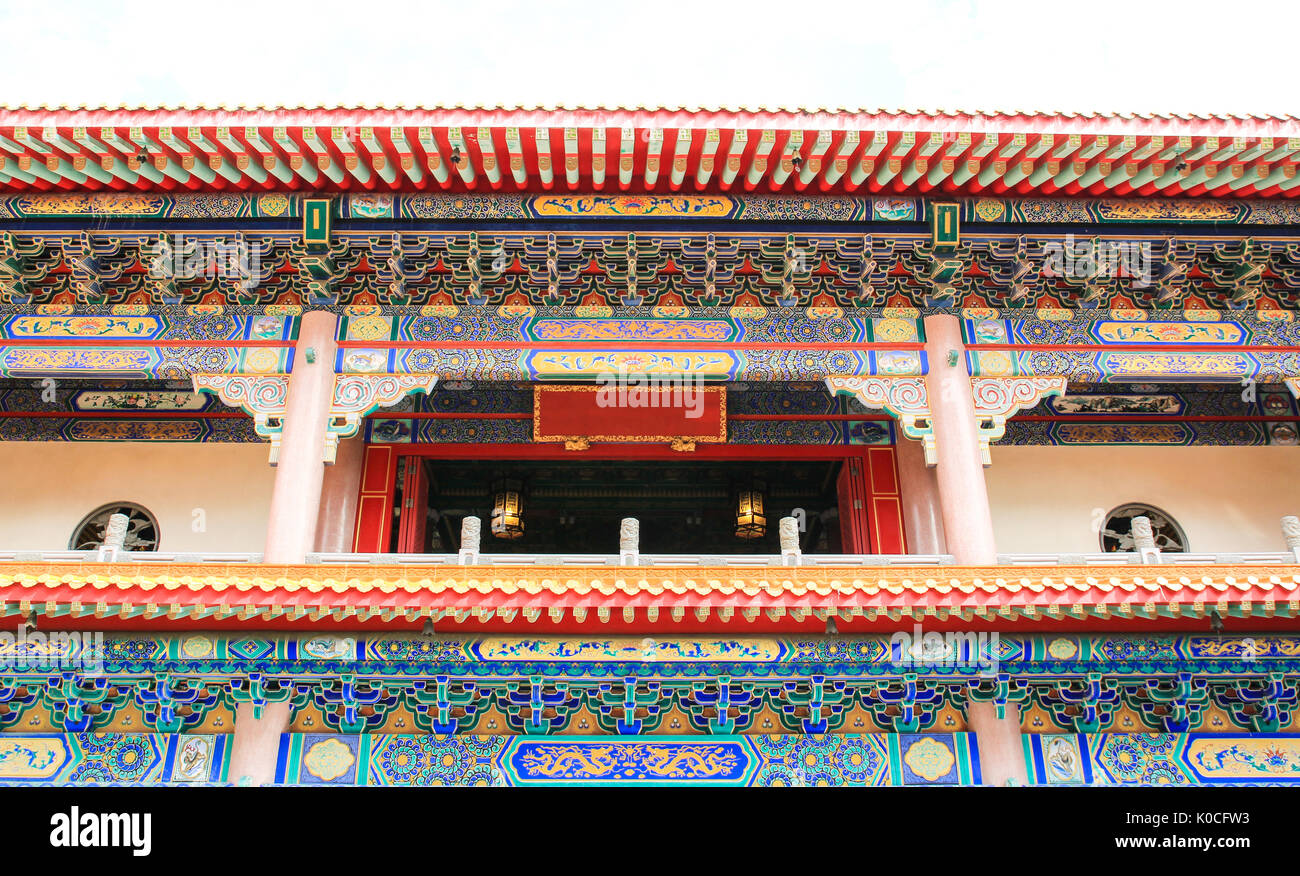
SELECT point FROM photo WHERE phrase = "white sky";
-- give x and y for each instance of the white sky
(1118, 55)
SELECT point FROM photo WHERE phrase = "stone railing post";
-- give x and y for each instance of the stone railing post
(114, 538)
(1291, 531)
(629, 541)
(791, 555)
(1144, 540)
(470, 530)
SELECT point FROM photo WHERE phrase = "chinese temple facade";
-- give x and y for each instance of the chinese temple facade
(723, 447)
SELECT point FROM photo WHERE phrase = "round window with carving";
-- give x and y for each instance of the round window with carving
(1117, 531)
(141, 528)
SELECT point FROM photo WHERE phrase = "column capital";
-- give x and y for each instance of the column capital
(264, 397)
(906, 399)
(997, 399)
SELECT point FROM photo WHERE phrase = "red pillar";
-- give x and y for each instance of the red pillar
(340, 491)
(963, 495)
(1001, 747)
(255, 745)
(300, 471)
(922, 516)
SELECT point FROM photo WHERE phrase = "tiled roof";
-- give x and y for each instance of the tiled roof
(668, 110)
(724, 593)
(643, 150)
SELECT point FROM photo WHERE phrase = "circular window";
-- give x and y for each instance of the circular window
(1117, 533)
(141, 528)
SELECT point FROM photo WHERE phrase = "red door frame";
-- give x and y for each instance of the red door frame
(871, 522)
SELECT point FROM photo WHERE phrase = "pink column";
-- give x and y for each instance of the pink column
(338, 499)
(255, 744)
(1002, 753)
(295, 498)
(964, 501)
(922, 517)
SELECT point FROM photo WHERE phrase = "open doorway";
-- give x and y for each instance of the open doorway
(574, 506)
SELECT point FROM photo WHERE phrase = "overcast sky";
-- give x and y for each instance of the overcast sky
(1119, 55)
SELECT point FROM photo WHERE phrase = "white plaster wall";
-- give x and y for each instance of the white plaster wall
(46, 488)
(1225, 498)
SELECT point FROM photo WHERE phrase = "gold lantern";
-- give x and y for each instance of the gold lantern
(507, 508)
(751, 521)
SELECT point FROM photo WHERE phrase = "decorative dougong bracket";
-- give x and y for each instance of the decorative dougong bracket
(997, 399)
(906, 399)
(262, 396)
(265, 397)
(356, 395)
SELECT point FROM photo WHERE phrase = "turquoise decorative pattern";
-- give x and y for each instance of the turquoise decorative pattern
(877, 760)
(1163, 759)
(596, 685)
(113, 759)
(753, 207)
(152, 206)
(1046, 655)
(599, 266)
(1131, 210)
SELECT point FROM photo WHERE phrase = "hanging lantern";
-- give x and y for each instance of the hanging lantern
(751, 521)
(507, 508)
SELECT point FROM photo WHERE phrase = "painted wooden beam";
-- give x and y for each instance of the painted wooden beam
(1253, 176)
(377, 157)
(1233, 148)
(1180, 146)
(708, 157)
(626, 157)
(515, 150)
(1014, 146)
(298, 162)
(654, 145)
(598, 158)
(839, 165)
(992, 172)
(545, 171)
(90, 167)
(867, 163)
(1069, 172)
(1121, 147)
(58, 141)
(572, 158)
(888, 169)
(265, 158)
(352, 162)
(325, 162)
(758, 161)
(11, 168)
(1207, 146)
(433, 158)
(28, 139)
(491, 162)
(735, 155)
(964, 170)
(920, 164)
(681, 149)
(813, 161)
(784, 166)
(1285, 150)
